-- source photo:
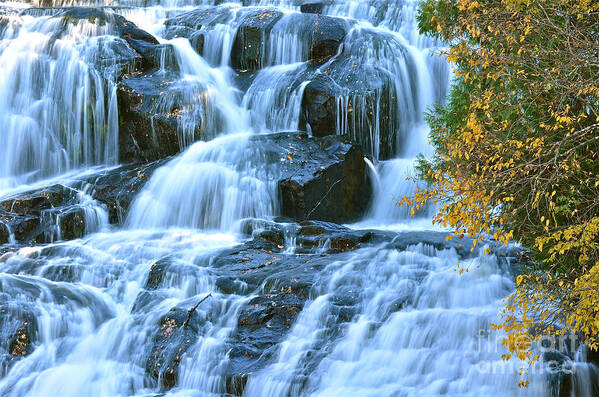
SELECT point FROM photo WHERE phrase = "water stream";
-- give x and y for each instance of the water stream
(388, 319)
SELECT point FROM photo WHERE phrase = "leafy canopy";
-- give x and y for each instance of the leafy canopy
(517, 151)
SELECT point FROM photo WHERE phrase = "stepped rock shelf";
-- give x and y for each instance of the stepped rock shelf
(196, 199)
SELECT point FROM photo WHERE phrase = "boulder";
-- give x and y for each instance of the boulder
(313, 6)
(282, 282)
(356, 100)
(201, 17)
(328, 35)
(249, 47)
(362, 94)
(4, 23)
(161, 114)
(264, 266)
(319, 178)
(261, 326)
(4, 233)
(134, 49)
(194, 24)
(148, 126)
(319, 106)
(42, 215)
(321, 35)
(316, 236)
(117, 188)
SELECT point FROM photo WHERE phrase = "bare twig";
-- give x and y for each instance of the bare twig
(193, 309)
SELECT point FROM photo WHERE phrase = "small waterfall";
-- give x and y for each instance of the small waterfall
(204, 99)
(394, 184)
(289, 41)
(275, 96)
(86, 309)
(399, 90)
(211, 186)
(58, 110)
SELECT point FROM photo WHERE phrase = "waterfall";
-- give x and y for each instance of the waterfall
(429, 347)
(57, 98)
(212, 185)
(275, 96)
(204, 285)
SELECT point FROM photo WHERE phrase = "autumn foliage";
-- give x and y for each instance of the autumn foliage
(517, 151)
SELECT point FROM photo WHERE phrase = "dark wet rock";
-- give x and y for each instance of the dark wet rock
(36, 202)
(165, 59)
(321, 35)
(160, 115)
(316, 236)
(592, 356)
(368, 94)
(559, 373)
(197, 19)
(23, 228)
(157, 273)
(147, 131)
(194, 24)
(332, 237)
(133, 50)
(283, 282)
(72, 223)
(38, 216)
(328, 36)
(247, 269)
(145, 300)
(437, 240)
(249, 46)
(176, 332)
(359, 93)
(4, 233)
(314, 6)
(261, 326)
(117, 188)
(57, 212)
(244, 268)
(565, 358)
(324, 178)
(319, 106)
(18, 332)
(4, 22)
(57, 272)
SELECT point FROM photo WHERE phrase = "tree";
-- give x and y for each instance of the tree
(517, 151)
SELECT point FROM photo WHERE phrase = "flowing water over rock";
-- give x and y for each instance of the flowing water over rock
(214, 260)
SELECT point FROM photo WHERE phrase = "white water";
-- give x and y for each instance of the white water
(430, 347)
(415, 322)
(57, 111)
(211, 186)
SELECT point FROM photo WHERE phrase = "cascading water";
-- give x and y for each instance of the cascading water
(58, 109)
(204, 98)
(212, 185)
(274, 98)
(204, 290)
